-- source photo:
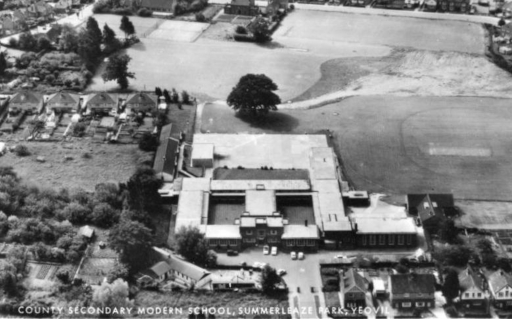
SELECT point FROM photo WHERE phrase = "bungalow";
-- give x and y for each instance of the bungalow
(100, 103)
(25, 101)
(63, 103)
(473, 294)
(500, 286)
(431, 209)
(159, 5)
(242, 7)
(167, 154)
(409, 291)
(353, 287)
(142, 102)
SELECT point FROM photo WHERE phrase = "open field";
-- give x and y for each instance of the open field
(108, 162)
(403, 32)
(485, 215)
(385, 142)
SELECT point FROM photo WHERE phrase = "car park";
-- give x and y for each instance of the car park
(274, 251)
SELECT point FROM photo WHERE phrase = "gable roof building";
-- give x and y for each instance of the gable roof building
(26, 101)
(353, 286)
(408, 291)
(500, 286)
(474, 297)
(63, 102)
(167, 154)
(159, 5)
(142, 102)
(100, 102)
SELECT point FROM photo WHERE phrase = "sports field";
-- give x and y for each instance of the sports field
(400, 145)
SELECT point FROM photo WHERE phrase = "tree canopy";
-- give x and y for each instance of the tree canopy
(269, 279)
(110, 40)
(127, 26)
(451, 285)
(254, 94)
(143, 188)
(133, 241)
(453, 255)
(261, 30)
(448, 232)
(117, 69)
(191, 244)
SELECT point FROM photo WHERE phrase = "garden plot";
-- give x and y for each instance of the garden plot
(180, 31)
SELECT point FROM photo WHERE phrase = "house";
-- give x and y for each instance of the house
(167, 155)
(235, 279)
(25, 101)
(276, 6)
(500, 286)
(142, 102)
(180, 270)
(410, 291)
(159, 5)
(63, 103)
(158, 273)
(474, 299)
(87, 232)
(62, 6)
(431, 209)
(98, 103)
(353, 287)
(242, 7)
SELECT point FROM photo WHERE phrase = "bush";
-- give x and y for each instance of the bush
(13, 42)
(143, 12)
(332, 282)
(148, 142)
(243, 38)
(79, 129)
(68, 82)
(21, 150)
(50, 78)
(329, 272)
(292, 7)
(185, 97)
(241, 30)
(200, 17)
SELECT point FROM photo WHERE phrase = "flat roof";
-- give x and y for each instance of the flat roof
(202, 151)
(196, 184)
(336, 222)
(260, 203)
(325, 186)
(260, 174)
(291, 185)
(190, 208)
(300, 231)
(385, 225)
(331, 203)
(223, 231)
(322, 163)
(256, 150)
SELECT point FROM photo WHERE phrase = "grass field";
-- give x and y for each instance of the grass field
(384, 142)
(404, 32)
(108, 162)
(142, 25)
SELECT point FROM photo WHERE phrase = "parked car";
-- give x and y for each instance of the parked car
(232, 252)
(266, 250)
(281, 272)
(301, 255)
(293, 255)
(274, 251)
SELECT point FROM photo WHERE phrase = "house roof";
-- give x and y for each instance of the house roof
(242, 2)
(385, 225)
(223, 231)
(182, 266)
(166, 4)
(62, 100)
(413, 283)
(86, 231)
(499, 280)
(160, 268)
(166, 155)
(100, 99)
(353, 282)
(141, 99)
(468, 279)
(26, 98)
(430, 205)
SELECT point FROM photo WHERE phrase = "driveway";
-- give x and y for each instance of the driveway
(303, 274)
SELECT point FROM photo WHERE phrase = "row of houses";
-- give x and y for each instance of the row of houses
(64, 102)
(17, 20)
(414, 290)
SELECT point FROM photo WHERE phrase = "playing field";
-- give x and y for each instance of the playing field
(393, 31)
(402, 145)
(142, 25)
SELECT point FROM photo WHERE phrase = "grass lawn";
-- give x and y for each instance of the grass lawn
(425, 144)
(332, 300)
(231, 300)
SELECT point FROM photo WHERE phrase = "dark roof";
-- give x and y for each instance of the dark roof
(242, 2)
(166, 155)
(438, 205)
(160, 268)
(469, 278)
(141, 99)
(26, 98)
(62, 100)
(100, 99)
(413, 283)
(353, 282)
(166, 4)
(260, 174)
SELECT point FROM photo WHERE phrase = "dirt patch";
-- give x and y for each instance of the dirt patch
(220, 31)
(107, 162)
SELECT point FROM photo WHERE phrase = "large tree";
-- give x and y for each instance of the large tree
(448, 232)
(455, 255)
(269, 279)
(254, 94)
(191, 244)
(143, 188)
(110, 40)
(112, 295)
(260, 28)
(117, 69)
(132, 240)
(94, 30)
(451, 285)
(127, 26)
